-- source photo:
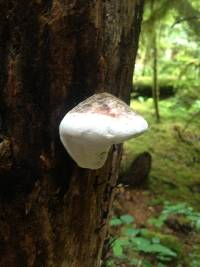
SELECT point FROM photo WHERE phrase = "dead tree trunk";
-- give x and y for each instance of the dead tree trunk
(55, 53)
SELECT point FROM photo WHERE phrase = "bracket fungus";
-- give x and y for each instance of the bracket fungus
(89, 130)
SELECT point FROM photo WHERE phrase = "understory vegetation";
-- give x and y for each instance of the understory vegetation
(156, 221)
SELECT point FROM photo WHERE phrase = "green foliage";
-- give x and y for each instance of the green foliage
(176, 165)
(174, 183)
(124, 219)
(149, 246)
(133, 244)
(177, 209)
(176, 24)
(115, 222)
(167, 240)
(158, 222)
(118, 248)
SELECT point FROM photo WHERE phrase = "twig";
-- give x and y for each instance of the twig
(191, 120)
(184, 19)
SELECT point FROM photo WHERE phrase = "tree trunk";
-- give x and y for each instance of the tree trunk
(155, 85)
(55, 53)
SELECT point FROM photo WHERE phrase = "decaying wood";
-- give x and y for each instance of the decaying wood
(138, 173)
(54, 54)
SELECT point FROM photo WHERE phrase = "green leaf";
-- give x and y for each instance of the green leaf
(163, 258)
(115, 222)
(142, 244)
(175, 208)
(156, 222)
(127, 218)
(110, 263)
(144, 231)
(124, 241)
(131, 232)
(198, 225)
(160, 249)
(146, 263)
(155, 240)
(133, 262)
(117, 249)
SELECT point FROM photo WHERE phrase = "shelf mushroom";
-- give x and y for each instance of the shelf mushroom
(89, 130)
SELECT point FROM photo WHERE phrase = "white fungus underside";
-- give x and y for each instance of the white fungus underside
(88, 136)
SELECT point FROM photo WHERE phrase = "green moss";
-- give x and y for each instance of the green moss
(175, 164)
(175, 170)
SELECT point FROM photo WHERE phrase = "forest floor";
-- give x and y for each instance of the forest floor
(158, 224)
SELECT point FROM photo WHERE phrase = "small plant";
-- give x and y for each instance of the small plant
(123, 219)
(133, 247)
(177, 209)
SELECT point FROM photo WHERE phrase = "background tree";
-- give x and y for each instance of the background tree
(155, 85)
(53, 55)
(169, 32)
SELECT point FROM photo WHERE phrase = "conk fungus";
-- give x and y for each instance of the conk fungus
(89, 130)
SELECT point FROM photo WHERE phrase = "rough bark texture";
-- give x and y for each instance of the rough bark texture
(55, 53)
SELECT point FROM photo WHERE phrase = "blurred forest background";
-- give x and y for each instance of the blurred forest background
(156, 217)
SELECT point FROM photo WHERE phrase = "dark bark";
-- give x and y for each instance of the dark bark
(54, 54)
